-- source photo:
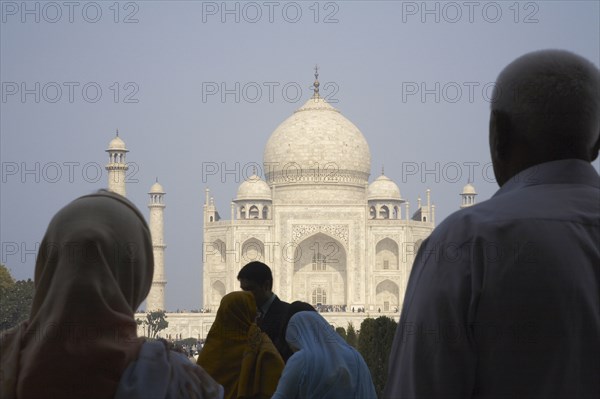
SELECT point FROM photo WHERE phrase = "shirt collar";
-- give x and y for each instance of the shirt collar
(265, 306)
(564, 171)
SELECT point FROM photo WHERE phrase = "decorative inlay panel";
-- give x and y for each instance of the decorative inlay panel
(300, 231)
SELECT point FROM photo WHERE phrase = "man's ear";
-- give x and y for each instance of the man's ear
(268, 285)
(500, 135)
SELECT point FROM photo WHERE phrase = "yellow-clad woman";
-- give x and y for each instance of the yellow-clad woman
(237, 354)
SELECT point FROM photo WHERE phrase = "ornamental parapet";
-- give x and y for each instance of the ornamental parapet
(117, 166)
(293, 173)
(398, 222)
(252, 222)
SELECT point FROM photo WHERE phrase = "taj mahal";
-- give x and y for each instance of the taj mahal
(331, 238)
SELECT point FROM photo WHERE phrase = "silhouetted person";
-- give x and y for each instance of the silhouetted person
(93, 270)
(237, 354)
(295, 307)
(256, 277)
(502, 300)
(323, 365)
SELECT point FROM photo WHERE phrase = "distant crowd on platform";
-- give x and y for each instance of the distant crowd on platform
(521, 322)
(321, 308)
(318, 307)
(330, 308)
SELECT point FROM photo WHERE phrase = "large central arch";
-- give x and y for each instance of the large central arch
(320, 271)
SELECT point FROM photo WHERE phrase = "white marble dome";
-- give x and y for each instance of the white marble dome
(469, 189)
(156, 189)
(383, 188)
(117, 144)
(254, 188)
(317, 136)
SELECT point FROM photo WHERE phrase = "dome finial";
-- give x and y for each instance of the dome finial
(316, 84)
(157, 179)
(254, 170)
(382, 170)
(117, 132)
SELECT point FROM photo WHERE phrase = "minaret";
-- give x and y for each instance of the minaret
(429, 216)
(116, 167)
(210, 210)
(156, 297)
(468, 196)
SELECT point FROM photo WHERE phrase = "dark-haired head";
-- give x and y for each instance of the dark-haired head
(257, 272)
(295, 307)
(256, 277)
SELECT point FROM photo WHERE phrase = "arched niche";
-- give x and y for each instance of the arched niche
(387, 255)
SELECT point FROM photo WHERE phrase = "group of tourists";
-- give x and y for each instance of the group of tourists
(523, 322)
(262, 347)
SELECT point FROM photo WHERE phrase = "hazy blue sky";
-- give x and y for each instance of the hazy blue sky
(415, 77)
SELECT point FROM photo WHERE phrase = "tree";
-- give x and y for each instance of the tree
(6, 280)
(351, 337)
(375, 344)
(16, 298)
(342, 332)
(155, 322)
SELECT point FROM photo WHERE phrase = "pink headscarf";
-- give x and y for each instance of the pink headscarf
(93, 270)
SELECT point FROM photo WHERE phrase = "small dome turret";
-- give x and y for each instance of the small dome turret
(468, 196)
(254, 188)
(116, 144)
(156, 189)
(469, 189)
(383, 188)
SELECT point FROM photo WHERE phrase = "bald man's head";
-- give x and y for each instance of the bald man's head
(546, 106)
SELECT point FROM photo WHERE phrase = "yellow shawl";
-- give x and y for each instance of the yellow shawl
(237, 354)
